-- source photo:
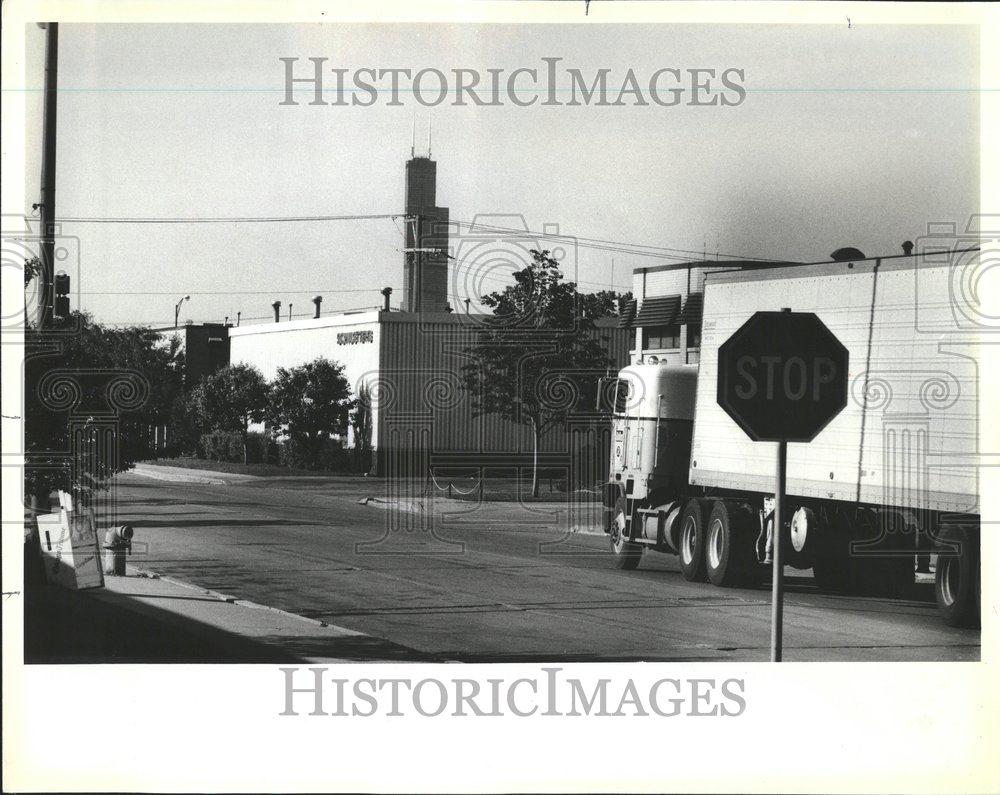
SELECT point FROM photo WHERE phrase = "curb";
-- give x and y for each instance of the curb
(413, 506)
(152, 575)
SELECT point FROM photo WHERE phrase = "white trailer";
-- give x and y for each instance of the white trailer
(897, 467)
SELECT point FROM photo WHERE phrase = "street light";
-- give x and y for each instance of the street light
(177, 309)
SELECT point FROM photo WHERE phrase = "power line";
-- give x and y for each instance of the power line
(588, 242)
(230, 220)
(275, 291)
(490, 228)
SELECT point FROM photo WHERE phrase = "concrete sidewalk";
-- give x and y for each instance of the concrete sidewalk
(146, 618)
(185, 475)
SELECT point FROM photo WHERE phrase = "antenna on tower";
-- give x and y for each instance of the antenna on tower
(413, 139)
(429, 126)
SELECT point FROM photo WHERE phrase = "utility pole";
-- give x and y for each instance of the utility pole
(47, 197)
(177, 310)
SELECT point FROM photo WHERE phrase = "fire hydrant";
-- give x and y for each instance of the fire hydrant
(117, 541)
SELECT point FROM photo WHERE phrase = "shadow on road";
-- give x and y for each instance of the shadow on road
(97, 626)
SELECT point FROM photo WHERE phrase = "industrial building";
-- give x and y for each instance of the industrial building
(205, 346)
(406, 363)
(409, 365)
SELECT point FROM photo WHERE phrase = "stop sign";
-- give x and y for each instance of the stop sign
(782, 376)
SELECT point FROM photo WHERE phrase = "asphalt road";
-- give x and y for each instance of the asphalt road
(492, 584)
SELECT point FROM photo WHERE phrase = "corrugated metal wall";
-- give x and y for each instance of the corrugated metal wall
(420, 372)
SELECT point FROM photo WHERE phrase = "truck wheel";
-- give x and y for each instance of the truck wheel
(957, 582)
(804, 531)
(627, 554)
(691, 542)
(729, 545)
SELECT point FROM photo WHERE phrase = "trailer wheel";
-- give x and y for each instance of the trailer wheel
(804, 531)
(957, 581)
(729, 545)
(627, 554)
(691, 542)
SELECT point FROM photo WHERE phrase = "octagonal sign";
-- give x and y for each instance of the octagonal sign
(782, 376)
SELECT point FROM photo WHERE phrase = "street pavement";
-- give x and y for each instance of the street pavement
(146, 618)
(494, 582)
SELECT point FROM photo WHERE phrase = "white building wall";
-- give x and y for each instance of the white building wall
(268, 346)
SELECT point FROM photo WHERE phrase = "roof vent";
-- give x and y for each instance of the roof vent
(846, 254)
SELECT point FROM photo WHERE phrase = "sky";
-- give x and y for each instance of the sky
(855, 136)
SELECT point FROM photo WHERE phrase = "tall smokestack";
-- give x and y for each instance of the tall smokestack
(276, 306)
(425, 264)
(290, 311)
(317, 301)
(386, 293)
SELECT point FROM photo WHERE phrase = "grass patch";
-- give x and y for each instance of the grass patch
(261, 470)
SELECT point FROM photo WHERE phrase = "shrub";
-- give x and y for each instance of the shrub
(230, 399)
(316, 454)
(261, 448)
(182, 429)
(222, 446)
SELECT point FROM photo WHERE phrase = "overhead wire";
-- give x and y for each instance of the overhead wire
(598, 244)
(228, 220)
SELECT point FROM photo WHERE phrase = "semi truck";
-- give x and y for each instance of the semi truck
(894, 475)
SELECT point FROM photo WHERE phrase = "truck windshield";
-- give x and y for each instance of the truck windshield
(621, 396)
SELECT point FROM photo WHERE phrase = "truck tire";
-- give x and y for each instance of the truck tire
(729, 545)
(627, 554)
(804, 531)
(957, 580)
(691, 542)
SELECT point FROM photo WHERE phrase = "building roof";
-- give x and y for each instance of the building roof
(659, 311)
(627, 313)
(691, 313)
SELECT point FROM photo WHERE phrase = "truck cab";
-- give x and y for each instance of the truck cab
(651, 425)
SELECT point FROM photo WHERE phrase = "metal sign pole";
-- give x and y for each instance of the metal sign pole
(778, 578)
(778, 574)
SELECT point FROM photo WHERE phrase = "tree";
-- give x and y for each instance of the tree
(92, 376)
(603, 303)
(32, 268)
(310, 403)
(230, 399)
(361, 422)
(539, 357)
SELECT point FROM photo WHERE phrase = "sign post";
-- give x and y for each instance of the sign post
(777, 556)
(782, 378)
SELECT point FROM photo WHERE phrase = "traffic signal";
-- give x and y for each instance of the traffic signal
(61, 307)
